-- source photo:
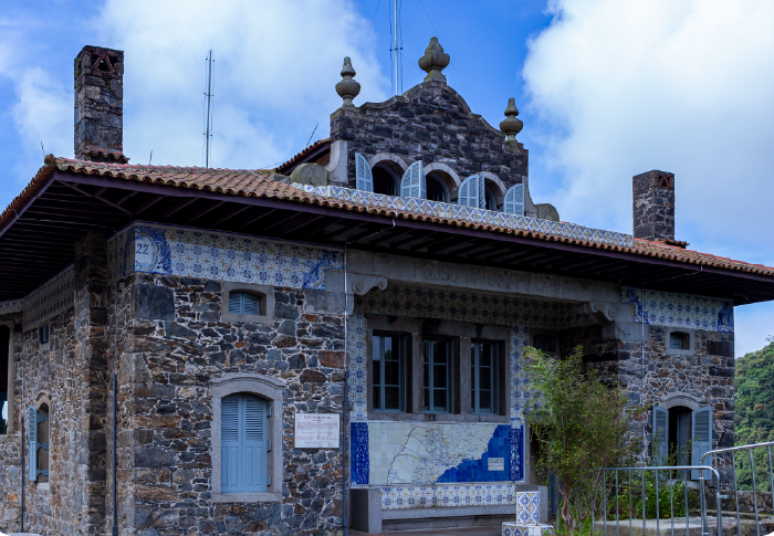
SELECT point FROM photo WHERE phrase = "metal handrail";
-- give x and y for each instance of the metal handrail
(749, 449)
(684, 468)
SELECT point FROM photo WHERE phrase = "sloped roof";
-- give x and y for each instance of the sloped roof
(288, 166)
(257, 183)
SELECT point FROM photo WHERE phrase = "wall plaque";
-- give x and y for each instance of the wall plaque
(496, 464)
(317, 431)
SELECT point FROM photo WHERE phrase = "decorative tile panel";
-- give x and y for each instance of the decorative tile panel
(51, 298)
(527, 507)
(359, 452)
(463, 306)
(157, 249)
(447, 495)
(11, 306)
(453, 211)
(680, 310)
(514, 528)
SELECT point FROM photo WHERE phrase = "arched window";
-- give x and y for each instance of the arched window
(244, 444)
(246, 438)
(437, 189)
(385, 181)
(491, 199)
(5, 385)
(39, 435)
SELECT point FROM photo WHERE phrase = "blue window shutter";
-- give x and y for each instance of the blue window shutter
(363, 174)
(660, 436)
(701, 426)
(229, 444)
(471, 192)
(235, 302)
(244, 303)
(244, 444)
(413, 183)
(33, 444)
(254, 445)
(514, 200)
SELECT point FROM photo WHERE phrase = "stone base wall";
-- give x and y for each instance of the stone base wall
(10, 482)
(175, 344)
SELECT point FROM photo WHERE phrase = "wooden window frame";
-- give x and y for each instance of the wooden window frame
(475, 373)
(403, 362)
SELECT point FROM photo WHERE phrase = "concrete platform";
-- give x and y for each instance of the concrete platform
(694, 527)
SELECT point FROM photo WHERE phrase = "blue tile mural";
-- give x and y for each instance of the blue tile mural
(359, 452)
(479, 470)
(157, 249)
(680, 310)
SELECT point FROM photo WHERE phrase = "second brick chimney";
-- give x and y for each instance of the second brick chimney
(99, 105)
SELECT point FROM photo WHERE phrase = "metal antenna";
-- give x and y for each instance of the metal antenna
(397, 52)
(209, 114)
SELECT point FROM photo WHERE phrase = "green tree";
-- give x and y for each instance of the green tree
(580, 425)
(754, 414)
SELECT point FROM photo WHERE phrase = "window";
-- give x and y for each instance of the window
(545, 343)
(38, 438)
(245, 303)
(672, 430)
(385, 182)
(484, 377)
(438, 376)
(5, 375)
(244, 444)
(437, 190)
(43, 334)
(679, 341)
(389, 373)
(246, 438)
(491, 200)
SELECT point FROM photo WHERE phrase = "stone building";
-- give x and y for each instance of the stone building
(204, 351)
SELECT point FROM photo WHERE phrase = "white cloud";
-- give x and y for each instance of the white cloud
(43, 114)
(656, 84)
(276, 65)
(626, 87)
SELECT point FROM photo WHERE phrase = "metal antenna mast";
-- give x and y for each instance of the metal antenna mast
(209, 114)
(397, 51)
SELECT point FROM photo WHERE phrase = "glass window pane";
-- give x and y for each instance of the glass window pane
(377, 397)
(387, 347)
(440, 376)
(439, 400)
(392, 398)
(485, 401)
(485, 379)
(486, 355)
(377, 373)
(391, 373)
(427, 399)
(377, 348)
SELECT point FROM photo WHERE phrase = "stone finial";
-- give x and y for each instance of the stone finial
(510, 125)
(434, 61)
(348, 88)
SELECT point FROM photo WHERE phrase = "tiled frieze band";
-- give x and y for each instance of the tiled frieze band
(447, 495)
(680, 310)
(51, 298)
(11, 306)
(457, 212)
(157, 249)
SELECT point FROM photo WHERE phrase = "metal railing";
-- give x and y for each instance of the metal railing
(657, 479)
(749, 449)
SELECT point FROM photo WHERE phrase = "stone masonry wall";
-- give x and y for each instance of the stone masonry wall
(175, 344)
(431, 123)
(10, 453)
(654, 205)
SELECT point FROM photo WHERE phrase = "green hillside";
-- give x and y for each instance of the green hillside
(754, 417)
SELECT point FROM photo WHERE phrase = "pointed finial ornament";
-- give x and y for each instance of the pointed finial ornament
(511, 126)
(348, 88)
(434, 61)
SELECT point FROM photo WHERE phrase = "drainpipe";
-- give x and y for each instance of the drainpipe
(21, 442)
(115, 392)
(345, 518)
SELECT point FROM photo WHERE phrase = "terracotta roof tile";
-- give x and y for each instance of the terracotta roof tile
(257, 183)
(282, 168)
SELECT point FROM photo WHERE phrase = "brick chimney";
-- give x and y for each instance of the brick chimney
(654, 206)
(99, 105)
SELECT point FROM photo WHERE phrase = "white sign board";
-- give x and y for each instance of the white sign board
(317, 431)
(496, 464)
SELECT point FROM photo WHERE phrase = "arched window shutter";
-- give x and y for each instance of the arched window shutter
(33, 444)
(413, 183)
(244, 444)
(660, 437)
(514, 200)
(701, 425)
(472, 192)
(363, 173)
(229, 443)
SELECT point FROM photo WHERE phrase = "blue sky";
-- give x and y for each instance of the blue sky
(606, 89)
